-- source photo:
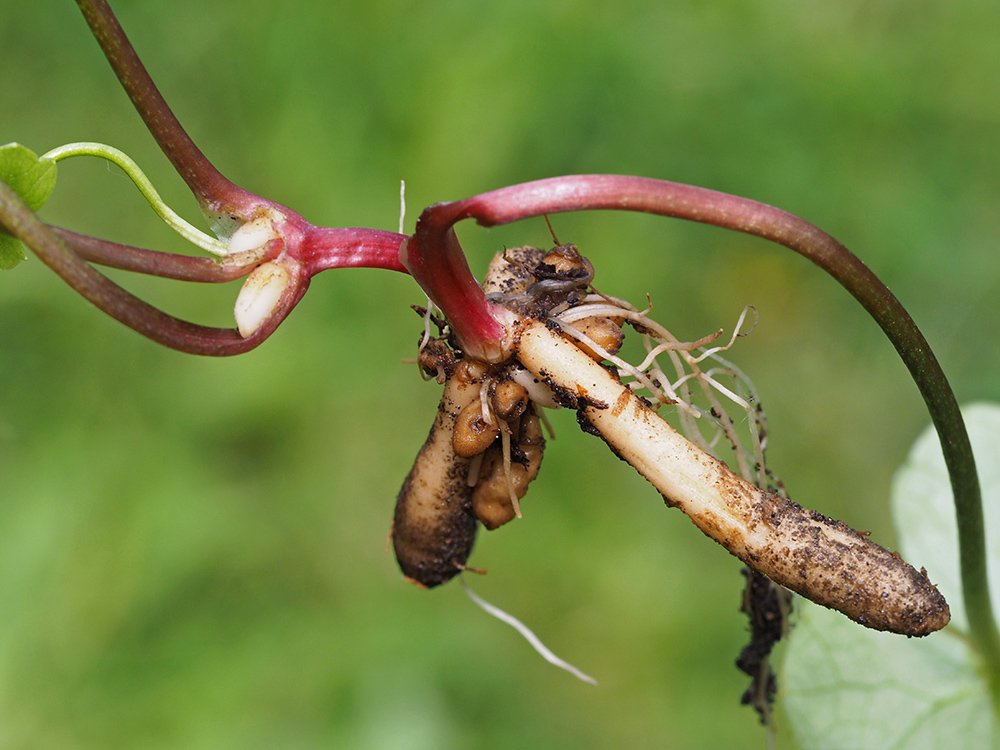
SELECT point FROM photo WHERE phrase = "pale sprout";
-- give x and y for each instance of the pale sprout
(252, 236)
(260, 295)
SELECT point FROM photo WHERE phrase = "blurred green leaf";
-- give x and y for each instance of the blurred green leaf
(847, 687)
(33, 178)
(11, 252)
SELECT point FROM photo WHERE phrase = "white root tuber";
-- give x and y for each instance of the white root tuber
(818, 557)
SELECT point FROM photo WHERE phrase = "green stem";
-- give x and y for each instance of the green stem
(946, 415)
(125, 162)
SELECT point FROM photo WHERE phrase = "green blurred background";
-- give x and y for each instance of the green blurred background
(193, 551)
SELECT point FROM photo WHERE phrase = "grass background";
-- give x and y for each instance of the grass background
(192, 551)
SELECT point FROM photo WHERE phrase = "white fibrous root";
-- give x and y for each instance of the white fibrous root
(261, 295)
(525, 632)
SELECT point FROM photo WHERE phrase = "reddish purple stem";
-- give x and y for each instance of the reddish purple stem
(436, 261)
(154, 262)
(214, 191)
(323, 248)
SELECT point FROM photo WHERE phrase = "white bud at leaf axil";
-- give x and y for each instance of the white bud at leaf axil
(260, 295)
(252, 235)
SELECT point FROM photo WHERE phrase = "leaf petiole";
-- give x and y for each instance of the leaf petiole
(125, 162)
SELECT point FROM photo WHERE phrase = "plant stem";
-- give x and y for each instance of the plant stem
(214, 192)
(323, 248)
(618, 192)
(125, 162)
(156, 263)
(437, 262)
(226, 204)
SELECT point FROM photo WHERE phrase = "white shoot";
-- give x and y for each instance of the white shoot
(737, 333)
(259, 296)
(533, 640)
(253, 235)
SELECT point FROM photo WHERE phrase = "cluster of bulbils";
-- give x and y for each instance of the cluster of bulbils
(486, 443)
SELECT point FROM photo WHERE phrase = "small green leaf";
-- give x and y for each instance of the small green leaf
(847, 687)
(11, 251)
(33, 178)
